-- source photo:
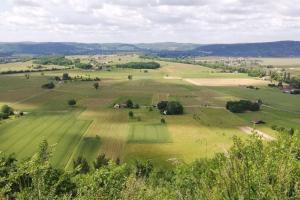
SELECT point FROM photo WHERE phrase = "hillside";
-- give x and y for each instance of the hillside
(167, 49)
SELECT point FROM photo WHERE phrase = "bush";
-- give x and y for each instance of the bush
(174, 108)
(242, 106)
(3, 116)
(295, 91)
(129, 103)
(48, 85)
(100, 161)
(81, 165)
(162, 105)
(162, 120)
(66, 76)
(7, 110)
(130, 114)
(72, 102)
(96, 85)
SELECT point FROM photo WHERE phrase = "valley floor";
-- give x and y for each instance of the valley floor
(93, 126)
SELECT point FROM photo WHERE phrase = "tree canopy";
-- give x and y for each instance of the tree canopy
(140, 65)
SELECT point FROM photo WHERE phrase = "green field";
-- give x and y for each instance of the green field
(93, 126)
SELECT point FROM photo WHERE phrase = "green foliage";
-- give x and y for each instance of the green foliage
(72, 102)
(5, 109)
(81, 165)
(48, 85)
(170, 107)
(3, 116)
(96, 85)
(130, 114)
(242, 106)
(84, 65)
(129, 103)
(66, 77)
(53, 60)
(140, 65)
(256, 72)
(249, 170)
(100, 161)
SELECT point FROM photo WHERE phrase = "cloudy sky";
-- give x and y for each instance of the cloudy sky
(133, 21)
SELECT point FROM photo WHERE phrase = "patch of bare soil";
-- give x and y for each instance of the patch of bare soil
(225, 81)
(251, 131)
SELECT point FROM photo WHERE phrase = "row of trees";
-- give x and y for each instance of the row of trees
(32, 70)
(242, 106)
(249, 170)
(139, 65)
(53, 60)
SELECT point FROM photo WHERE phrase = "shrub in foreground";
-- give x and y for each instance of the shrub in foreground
(250, 169)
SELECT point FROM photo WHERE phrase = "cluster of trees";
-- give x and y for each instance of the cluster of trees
(140, 65)
(129, 104)
(84, 65)
(53, 60)
(6, 111)
(33, 70)
(242, 106)
(50, 85)
(80, 65)
(66, 77)
(249, 170)
(170, 107)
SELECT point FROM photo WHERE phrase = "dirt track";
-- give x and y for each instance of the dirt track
(251, 131)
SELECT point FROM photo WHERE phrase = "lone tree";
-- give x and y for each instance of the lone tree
(72, 102)
(130, 114)
(129, 103)
(66, 77)
(96, 85)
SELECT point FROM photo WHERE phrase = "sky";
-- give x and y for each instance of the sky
(146, 21)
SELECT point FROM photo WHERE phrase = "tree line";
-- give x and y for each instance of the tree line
(139, 65)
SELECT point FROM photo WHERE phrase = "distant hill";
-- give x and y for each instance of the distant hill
(165, 49)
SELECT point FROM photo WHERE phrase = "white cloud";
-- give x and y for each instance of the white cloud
(198, 21)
